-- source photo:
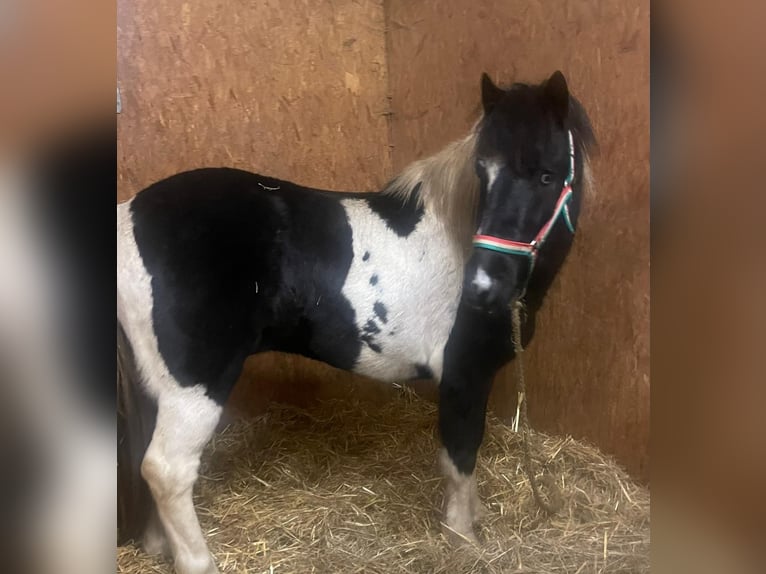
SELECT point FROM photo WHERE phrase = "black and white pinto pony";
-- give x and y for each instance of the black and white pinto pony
(414, 281)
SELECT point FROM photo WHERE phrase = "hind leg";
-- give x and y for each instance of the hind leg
(154, 541)
(186, 420)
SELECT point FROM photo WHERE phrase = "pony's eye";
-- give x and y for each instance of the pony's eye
(546, 178)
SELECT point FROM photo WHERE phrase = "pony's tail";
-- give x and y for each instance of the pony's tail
(136, 417)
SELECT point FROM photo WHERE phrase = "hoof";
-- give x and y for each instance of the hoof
(478, 511)
(196, 565)
(458, 539)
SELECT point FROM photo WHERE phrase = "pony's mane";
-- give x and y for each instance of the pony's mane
(446, 184)
(585, 141)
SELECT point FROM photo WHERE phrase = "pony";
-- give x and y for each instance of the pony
(413, 281)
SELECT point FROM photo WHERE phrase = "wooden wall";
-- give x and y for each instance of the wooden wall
(294, 88)
(588, 368)
(303, 90)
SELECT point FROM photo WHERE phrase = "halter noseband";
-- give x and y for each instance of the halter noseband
(530, 249)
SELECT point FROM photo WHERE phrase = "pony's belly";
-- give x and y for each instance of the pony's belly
(406, 338)
(403, 360)
(388, 368)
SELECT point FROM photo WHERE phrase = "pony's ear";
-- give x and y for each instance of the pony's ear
(557, 93)
(490, 93)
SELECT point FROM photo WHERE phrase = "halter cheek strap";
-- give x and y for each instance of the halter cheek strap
(561, 210)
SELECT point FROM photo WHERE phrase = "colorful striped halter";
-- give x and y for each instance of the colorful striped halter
(530, 249)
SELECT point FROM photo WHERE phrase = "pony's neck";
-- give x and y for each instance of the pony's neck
(448, 187)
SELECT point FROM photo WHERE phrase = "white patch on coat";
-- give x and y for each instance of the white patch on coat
(462, 506)
(186, 420)
(482, 281)
(419, 281)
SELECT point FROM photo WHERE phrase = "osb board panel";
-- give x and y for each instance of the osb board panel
(291, 88)
(588, 368)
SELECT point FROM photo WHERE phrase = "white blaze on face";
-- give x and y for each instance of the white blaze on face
(492, 168)
(481, 280)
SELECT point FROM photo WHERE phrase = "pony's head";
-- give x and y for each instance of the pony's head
(530, 155)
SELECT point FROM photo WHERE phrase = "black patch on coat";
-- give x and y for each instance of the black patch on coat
(368, 335)
(207, 236)
(401, 216)
(371, 328)
(380, 311)
(423, 372)
(366, 256)
(374, 280)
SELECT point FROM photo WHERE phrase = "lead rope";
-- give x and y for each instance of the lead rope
(554, 505)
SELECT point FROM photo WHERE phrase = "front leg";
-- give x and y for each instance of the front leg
(462, 505)
(478, 346)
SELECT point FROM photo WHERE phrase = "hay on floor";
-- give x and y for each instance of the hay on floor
(355, 488)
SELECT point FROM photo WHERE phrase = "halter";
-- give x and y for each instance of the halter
(531, 249)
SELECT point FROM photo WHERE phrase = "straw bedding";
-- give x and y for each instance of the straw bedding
(354, 487)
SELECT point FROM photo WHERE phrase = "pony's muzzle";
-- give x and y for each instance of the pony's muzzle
(489, 281)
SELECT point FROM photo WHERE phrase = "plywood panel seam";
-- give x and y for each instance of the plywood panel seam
(389, 113)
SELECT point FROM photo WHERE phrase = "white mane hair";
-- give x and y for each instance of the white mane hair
(449, 186)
